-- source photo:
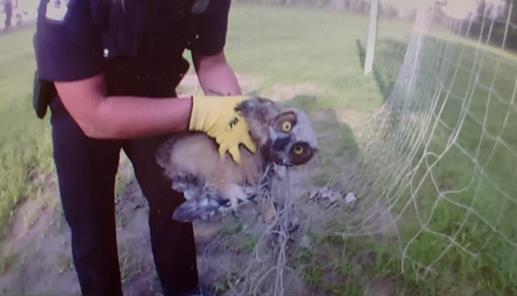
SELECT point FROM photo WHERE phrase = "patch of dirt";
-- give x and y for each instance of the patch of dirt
(382, 286)
(281, 92)
(40, 254)
(38, 247)
(248, 83)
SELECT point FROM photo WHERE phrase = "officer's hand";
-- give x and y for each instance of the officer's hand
(216, 116)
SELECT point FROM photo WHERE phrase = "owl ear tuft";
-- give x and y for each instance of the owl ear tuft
(245, 107)
(256, 107)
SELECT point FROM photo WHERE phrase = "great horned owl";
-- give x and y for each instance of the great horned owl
(284, 137)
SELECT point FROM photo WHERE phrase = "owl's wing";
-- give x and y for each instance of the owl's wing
(205, 200)
(199, 209)
(201, 202)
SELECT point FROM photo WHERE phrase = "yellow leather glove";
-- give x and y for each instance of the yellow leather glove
(216, 116)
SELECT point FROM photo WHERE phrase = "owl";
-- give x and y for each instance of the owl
(211, 184)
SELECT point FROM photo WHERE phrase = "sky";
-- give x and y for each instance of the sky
(458, 9)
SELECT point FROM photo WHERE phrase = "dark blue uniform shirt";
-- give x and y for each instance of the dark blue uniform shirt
(133, 42)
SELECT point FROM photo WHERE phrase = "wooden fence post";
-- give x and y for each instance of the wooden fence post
(372, 36)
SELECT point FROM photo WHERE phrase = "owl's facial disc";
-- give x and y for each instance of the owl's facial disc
(285, 146)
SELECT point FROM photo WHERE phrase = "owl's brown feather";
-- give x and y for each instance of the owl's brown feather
(197, 155)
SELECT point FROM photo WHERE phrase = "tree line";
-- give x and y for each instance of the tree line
(495, 23)
(356, 6)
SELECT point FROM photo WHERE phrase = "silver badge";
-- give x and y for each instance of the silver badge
(57, 10)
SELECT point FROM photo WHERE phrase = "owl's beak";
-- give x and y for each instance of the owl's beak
(280, 144)
(269, 154)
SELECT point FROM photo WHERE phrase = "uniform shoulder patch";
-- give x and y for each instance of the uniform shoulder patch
(57, 10)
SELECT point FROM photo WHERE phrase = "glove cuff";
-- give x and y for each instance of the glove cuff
(193, 114)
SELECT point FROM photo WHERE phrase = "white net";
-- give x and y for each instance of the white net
(430, 195)
(443, 161)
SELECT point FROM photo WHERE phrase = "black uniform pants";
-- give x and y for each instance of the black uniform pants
(86, 170)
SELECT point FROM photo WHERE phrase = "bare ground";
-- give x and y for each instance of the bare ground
(38, 255)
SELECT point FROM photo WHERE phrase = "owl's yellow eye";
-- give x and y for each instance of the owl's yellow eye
(286, 126)
(298, 150)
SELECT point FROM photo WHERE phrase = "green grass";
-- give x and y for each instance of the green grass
(478, 172)
(25, 140)
(291, 45)
(288, 46)
(483, 160)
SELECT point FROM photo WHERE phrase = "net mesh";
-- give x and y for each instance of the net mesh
(436, 176)
(442, 162)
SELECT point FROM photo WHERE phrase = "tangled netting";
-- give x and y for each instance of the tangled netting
(439, 167)
(444, 159)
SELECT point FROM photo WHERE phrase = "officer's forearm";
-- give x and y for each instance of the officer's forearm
(216, 76)
(220, 81)
(105, 117)
(135, 117)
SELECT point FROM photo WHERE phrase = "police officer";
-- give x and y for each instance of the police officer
(108, 69)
